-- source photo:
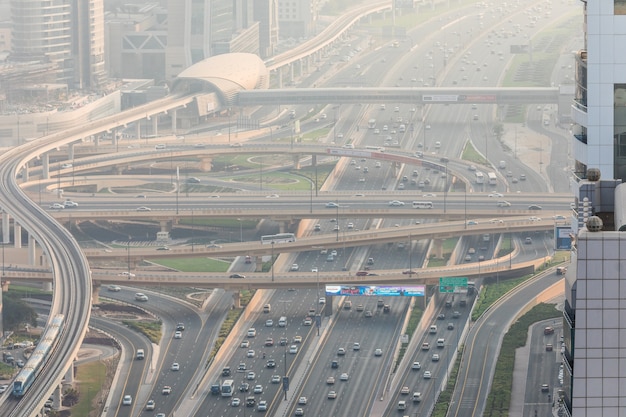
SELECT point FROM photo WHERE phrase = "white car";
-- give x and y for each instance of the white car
(378, 352)
(258, 389)
(499, 195)
(322, 300)
(427, 375)
(416, 366)
(245, 344)
(175, 366)
(235, 402)
(294, 267)
(250, 376)
(269, 323)
(57, 206)
(332, 204)
(293, 349)
(262, 405)
(150, 405)
(356, 346)
(141, 296)
(250, 353)
(144, 208)
(396, 203)
(302, 401)
(178, 335)
(341, 351)
(314, 269)
(344, 377)
(127, 400)
(114, 288)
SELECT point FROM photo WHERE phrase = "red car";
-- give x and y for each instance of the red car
(362, 273)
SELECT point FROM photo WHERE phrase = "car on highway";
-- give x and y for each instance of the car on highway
(250, 353)
(302, 401)
(435, 357)
(472, 222)
(427, 375)
(167, 390)
(235, 402)
(356, 346)
(344, 376)
(244, 344)
(150, 405)
(534, 207)
(163, 248)
(341, 351)
(297, 339)
(396, 203)
(308, 321)
(293, 349)
(330, 380)
(70, 204)
(299, 411)
(332, 204)
(178, 335)
(56, 206)
(332, 395)
(271, 363)
(237, 276)
(262, 406)
(141, 296)
(258, 389)
(251, 375)
(114, 288)
(368, 313)
(498, 195)
(244, 387)
(409, 272)
(294, 267)
(275, 379)
(416, 366)
(268, 342)
(405, 390)
(269, 323)
(175, 366)
(362, 273)
(127, 400)
(378, 352)
(143, 208)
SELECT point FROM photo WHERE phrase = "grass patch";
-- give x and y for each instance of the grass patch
(89, 377)
(22, 291)
(150, 328)
(443, 402)
(229, 322)
(6, 371)
(498, 402)
(472, 155)
(195, 264)
(414, 320)
(491, 293)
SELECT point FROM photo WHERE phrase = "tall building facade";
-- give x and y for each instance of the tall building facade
(67, 33)
(594, 354)
(297, 18)
(199, 29)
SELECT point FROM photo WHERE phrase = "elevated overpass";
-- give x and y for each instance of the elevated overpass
(415, 96)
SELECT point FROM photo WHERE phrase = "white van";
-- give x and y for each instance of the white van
(282, 322)
(347, 305)
(441, 342)
(140, 354)
(433, 329)
(401, 405)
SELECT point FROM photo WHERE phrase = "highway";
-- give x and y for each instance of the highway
(15, 212)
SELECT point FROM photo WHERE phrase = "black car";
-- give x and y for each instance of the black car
(534, 207)
(271, 363)
(244, 387)
(180, 327)
(441, 316)
(250, 401)
(237, 276)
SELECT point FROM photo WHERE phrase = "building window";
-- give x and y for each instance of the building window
(620, 6)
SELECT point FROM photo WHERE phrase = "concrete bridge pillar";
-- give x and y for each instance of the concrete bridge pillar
(138, 130)
(155, 125)
(32, 256)
(236, 299)
(258, 264)
(46, 286)
(96, 140)
(57, 397)
(17, 235)
(313, 160)
(6, 235)
(437, 249)
(69, 375)
(173, 115)
(206, 163)
(296, 161)
(292, 72)
(95, 292)
(166, 225)
(279, 72)
(70, 151)
(25, 173)
(283, 226)
(396, 168)
(45, 166)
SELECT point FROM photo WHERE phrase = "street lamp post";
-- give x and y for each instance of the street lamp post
(240, 230)
(128, 256)
(272, 260)
(445, 190)
(337, 220)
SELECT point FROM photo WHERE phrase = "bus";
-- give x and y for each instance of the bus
(423, 204)
(279, 238)
(375, 148)
(371, 124)
(227, 388)
(480, 177)
(493, 180)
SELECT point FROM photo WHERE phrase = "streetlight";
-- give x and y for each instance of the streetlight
(337, 220)
(128, 256)
(240, 231)
(445, 190)
(272, 260)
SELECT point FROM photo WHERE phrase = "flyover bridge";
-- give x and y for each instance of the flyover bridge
(416, 96)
